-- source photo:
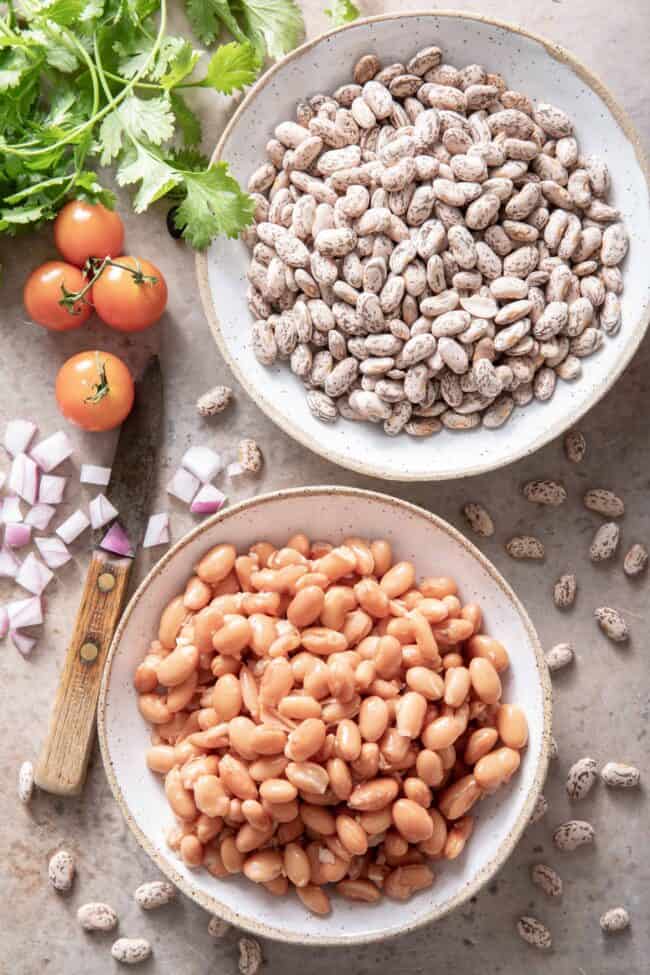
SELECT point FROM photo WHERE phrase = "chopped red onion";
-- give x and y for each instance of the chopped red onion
(51, 452)
(33, 575)
(203, 462)
(18, 436)
(53, 551)
(23, 478)
(4, 621)
(208, 500)
(91, 474)
(50, 489)
(116, 540)
(40, 516)
(101, 511)
(17, 535)
(157, 532)
(23, 643)
(235, 469)
(73, 526)
(25, 612)
(9, 564)
(11, 511)
(183, 485)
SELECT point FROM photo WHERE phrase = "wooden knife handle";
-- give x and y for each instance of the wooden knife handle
(62, 764)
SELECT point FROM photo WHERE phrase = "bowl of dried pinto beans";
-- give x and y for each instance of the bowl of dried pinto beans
(446, 267)
(326, 737)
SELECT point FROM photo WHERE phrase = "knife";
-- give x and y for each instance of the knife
(63, 760)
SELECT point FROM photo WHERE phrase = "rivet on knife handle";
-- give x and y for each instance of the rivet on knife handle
(64, 756)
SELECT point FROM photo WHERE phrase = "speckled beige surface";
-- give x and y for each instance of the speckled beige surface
(602, 705)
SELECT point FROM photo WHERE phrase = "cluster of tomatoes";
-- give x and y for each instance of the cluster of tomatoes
(94, 389)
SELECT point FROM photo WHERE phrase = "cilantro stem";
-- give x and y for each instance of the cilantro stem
(32, 190)
(152, 85)
(23, 150)
(141, 84)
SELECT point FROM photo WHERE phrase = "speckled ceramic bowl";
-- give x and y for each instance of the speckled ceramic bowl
(530, 63)
(436, 548)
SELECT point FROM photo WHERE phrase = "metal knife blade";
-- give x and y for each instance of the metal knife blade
(134, 467)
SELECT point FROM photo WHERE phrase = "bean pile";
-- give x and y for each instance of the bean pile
(321, 718)
(430, 248)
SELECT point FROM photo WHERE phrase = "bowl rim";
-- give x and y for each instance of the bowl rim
(548, 431)
(212, 904)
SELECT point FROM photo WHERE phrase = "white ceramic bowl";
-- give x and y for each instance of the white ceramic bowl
(436, 548)
(529, 63)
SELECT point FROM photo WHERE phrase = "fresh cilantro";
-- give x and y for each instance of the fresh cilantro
(233, 67)
(186, 120)
(214, 205)
(343, 12)
(207, 17)
(155, 176)
(150, 118)
(272, 24)
(100, 82)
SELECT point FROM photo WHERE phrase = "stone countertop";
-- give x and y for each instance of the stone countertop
(602, 703)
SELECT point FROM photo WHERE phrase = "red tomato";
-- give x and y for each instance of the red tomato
(43, 293)
(84, 230)
(94, 390)
(126, 303)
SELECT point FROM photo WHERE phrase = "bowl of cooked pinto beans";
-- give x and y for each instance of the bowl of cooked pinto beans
(438, 278)
(327, 734)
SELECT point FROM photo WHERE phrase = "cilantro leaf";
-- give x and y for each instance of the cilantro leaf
(14, 65)
(155, 176)
(187, 121)
(179, 66)
(343, 12)
(214, 205)
(187, 158)
(91, 10)
(207, 18)
(232, 67)
(60, 51)
(174, 60)
(272, 24)
(149, 118)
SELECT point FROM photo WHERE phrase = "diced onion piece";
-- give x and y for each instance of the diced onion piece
(9, 564)
(53, 551)
(101, 511)
(25, 612)
(11, 511)
(50, 489)
(116, 540)
(183, 485)
(51, 452)
(91, 474)
(18, 435)
(73, 526)
(235, 469)
(23, 643)
(33, 575)
(157, 531)
(203, 462)
(23, 478)
(208, 500)
(17, 535)
(4, 621)
(40, 516)
(3, 478)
